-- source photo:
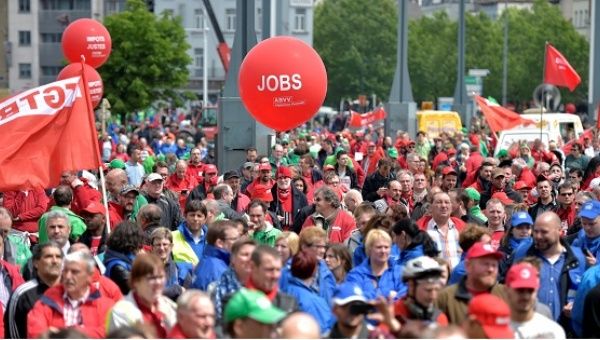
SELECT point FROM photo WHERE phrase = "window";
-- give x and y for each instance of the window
(586, 18)
(51, 37)
(25, 71)
(230, 19)
(300, 20)
(66, 4)
(50, 71)
(199, 18)
(24, 6)
(24, 38)
(259, 22)
(198, 62)
(114, 6)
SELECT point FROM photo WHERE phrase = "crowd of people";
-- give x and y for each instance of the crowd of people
(330, 235)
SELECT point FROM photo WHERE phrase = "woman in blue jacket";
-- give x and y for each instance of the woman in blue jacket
(412, 241)
(300, 286)
(378, 222)
(378, 275)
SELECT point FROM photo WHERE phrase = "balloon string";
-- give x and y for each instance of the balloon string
(83, 58)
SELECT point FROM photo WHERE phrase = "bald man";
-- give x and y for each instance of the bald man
(561, 269)
(115, 179)
(300, 326)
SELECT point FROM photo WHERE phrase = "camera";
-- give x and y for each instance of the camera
(361, 308)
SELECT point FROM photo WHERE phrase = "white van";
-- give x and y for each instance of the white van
(558, 127)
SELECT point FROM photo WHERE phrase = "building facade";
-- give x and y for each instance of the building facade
(293, 17)
(576, 11)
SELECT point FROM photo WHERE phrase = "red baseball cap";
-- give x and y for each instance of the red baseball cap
(493, 314)
(262, 192)
(523, 275)
(95, 208)
(283, 171)
(449, 171)
(519, 185)
(264, 166)
(210, 169)
(481, 249)
(501, 195)
(371, 144)
(328, 167)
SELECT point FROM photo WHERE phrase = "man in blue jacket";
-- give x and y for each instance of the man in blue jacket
(588, 238)
(561, 269)
(219, 238)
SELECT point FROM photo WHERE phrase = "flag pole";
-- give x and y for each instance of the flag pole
(543, 92)
(95, 142)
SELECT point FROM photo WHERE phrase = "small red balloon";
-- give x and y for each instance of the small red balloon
(95, 85)
(282, 82)
(89, 38)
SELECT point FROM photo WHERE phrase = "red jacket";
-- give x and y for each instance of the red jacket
(177, 333)
(180, 186)
(474, 162)
(423, 221)
(48, 312)
(106, 286)
(340, 230)
(360, 173)
(567, 218)
(242, 202)
(373, 160)
(115, 214)
(28, 208)
(528, 177)
(83, 195)
(195, 171)
(14, 275)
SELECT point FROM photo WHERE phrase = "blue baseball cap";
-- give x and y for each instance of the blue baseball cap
(348, 292)
(590, 209)
(521, 217)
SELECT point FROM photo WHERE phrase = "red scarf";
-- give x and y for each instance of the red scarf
(156, 318)
(271, 295)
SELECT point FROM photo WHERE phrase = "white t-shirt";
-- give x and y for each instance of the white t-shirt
(539, 327)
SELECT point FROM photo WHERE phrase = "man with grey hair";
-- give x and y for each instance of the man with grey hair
(47, 259)
(212, 210)
(195, 317)
(149, 219)
(224, 196)
(58, 226)
(73, 303)
(522, 172)
(352, 199)
(329, 216)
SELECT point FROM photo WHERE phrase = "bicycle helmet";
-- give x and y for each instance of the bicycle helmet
(421, 267)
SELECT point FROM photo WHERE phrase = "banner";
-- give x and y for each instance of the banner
(498, 117)
(359, 120)
(44, 132)
(558, 71)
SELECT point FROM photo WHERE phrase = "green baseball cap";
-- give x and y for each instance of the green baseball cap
(473, 194)
(392, 152)
(116, 164)
(502, 153)
(252, 304)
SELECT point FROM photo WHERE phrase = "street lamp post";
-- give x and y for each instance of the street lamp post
(505, 55)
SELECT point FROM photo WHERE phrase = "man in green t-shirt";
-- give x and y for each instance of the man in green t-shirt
(264, 232)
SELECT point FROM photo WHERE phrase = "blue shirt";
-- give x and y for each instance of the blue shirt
(590, 279)
(549, 292)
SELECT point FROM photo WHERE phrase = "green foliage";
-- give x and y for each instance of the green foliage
(357, 42)
(149, 59)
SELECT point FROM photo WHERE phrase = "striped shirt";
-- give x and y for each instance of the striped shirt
(21, 302)
(446, 242)
(72, 310)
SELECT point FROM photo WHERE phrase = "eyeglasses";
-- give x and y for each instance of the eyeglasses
(566, 193)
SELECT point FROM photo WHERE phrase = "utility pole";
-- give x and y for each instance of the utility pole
(594, 86)
(505, 56)
(238, 130)
(460, 92)
(401, 109)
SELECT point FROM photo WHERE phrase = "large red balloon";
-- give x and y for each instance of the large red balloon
(89, 38)
(95, 85)
(282, 82)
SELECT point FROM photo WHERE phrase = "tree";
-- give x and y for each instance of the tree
(149, 59)
(357, 41)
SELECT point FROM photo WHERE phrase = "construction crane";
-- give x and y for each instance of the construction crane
(222, 49)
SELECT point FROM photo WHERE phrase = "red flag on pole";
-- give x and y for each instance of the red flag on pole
(558, 71)
(44, 132)
(358, 120)
(498, 117)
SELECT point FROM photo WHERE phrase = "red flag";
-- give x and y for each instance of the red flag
(44, 132)
(589, 133)
(359, 120)
(558, 70)
(498, 117)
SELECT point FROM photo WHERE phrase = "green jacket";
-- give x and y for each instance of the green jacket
(267, 236)
(78, 226)
(19, 250)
